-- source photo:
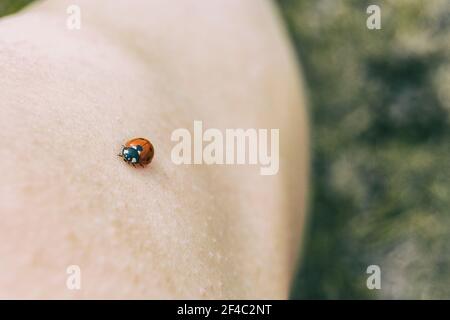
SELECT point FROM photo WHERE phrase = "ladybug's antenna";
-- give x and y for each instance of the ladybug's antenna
(120, 154)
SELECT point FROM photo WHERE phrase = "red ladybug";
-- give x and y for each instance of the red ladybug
(137, 151)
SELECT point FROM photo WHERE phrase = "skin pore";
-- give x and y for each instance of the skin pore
(70, 99)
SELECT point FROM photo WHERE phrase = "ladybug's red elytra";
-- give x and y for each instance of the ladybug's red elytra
(137, 151)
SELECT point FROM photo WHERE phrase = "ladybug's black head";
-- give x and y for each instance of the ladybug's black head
(131, 154)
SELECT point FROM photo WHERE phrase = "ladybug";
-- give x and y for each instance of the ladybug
(137, 151)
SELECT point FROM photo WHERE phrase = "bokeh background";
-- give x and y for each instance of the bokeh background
(380, 112)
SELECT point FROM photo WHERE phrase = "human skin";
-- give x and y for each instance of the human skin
(71, 98)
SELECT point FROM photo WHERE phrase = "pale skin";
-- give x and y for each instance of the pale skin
(70, 99)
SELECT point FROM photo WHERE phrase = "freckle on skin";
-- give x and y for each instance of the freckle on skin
(72, 238)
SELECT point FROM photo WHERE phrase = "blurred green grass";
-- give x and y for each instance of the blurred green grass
(380, 107)
(11, 6)
(380, 111)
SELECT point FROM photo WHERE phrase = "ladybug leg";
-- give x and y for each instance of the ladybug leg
(133, 165)
(141, 165)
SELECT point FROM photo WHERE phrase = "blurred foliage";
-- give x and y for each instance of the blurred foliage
(380, 107)
(11, 6)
